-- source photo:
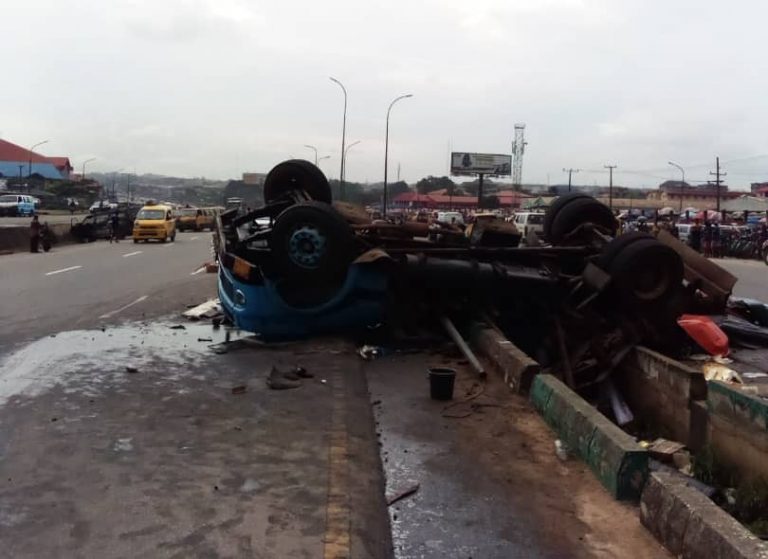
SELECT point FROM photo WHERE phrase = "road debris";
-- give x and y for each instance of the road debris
(282, 380)
(400, 495)
(131, 370)
(178, 327)
(561, 450)
(240, 389)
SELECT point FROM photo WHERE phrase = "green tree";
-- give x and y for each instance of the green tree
(430, 183)
(397, 188)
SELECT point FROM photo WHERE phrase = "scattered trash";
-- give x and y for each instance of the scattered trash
(131, 370)
(209, 309)
(369, 352)
(561, 450)
(664, 449)
(323, 381)
(178, 327)
(204, 339)
(730, 496)
(708, 335)
(282, 380)
(391, 500)
(241, 389)
(715, 371)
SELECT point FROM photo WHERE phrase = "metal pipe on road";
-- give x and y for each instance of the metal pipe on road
(463, 347)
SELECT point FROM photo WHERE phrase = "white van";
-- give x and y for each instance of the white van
(529, 221)
(454, 218)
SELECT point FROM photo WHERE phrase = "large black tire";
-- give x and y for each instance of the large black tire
(554, 208)
(644, 271)
(578, 212)
(618, 244)
(311, 242)
(296, 174)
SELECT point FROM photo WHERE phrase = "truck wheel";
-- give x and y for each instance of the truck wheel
(645, 271)
(553, 209)
(575, 213)
(296, 174)
(618, 244)
(311, 241)
(135, 241)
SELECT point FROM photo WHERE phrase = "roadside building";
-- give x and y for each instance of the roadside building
(760, 189)
(18, 162)
(441, 200)
(701, 196)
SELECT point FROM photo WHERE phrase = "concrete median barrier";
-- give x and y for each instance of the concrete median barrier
(616, 459)
(691, 526)
(16, 238)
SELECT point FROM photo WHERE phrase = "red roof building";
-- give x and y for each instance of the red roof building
(13, 154)
(507, 199)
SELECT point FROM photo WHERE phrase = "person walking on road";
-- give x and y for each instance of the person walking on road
(113, 232)
(34, 235)
(694, 236)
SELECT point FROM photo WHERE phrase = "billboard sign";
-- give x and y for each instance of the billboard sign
(463, 163)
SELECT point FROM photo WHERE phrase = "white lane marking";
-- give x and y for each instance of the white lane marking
(63, 270)
(121, 309)
(193, 238)
(201, 269)
(132, 253)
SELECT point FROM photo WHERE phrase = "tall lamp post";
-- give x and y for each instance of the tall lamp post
(346, 151)
(682, 184)
(343, 137)
(29, 169)
(386, 149)
(313, 148)
(323, 157)
(84, 163)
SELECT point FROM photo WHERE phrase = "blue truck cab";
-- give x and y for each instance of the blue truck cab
(256, 305)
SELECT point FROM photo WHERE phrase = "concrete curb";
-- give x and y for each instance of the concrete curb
(16, 239)
(516, 367)
(691, 526)
(617, 460)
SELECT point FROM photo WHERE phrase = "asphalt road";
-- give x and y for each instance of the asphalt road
(90, 285)
(752, 274)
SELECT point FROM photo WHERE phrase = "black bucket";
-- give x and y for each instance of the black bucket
(441, 383)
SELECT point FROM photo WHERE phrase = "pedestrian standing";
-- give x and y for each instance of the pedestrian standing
(114, 224)
(694, 236)
(34, 235)
(72, 207)
(707, 239)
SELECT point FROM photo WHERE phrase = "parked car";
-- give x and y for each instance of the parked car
(453, 218)
(102, 205)
(154, 221)
(529, 221)
(684, 231)
(17, 205)
(98, 225)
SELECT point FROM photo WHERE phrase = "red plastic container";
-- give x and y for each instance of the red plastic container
(706, 333)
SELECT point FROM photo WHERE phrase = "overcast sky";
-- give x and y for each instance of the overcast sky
(217, 87)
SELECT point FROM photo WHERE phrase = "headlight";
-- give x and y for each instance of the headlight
(239, 297)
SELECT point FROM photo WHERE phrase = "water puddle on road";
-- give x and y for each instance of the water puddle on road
(91, 358)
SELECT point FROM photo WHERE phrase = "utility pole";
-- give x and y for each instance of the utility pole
(718, 181)
(610, 184)
(570, 174)
(398, 171)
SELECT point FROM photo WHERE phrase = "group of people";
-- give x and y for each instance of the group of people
(39, 233)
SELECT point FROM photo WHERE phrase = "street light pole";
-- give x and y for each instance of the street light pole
(682, 184)
(343, 137)
(610, 185)
(386, 149)
(32, 149)
(84, 162)
(320, 159)
(346, 151)
(313, 148)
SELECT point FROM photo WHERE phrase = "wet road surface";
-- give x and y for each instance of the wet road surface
(88, 285)
(490, 485)
(164, 460)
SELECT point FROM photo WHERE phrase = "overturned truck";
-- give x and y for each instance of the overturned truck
(303, 265)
